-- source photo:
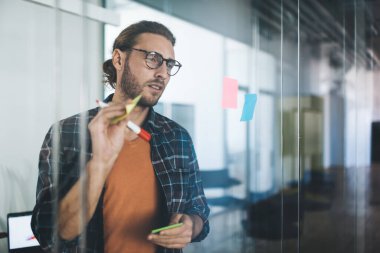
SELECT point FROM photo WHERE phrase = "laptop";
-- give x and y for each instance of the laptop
(20, 235)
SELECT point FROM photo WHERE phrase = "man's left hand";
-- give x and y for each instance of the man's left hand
(176, 238)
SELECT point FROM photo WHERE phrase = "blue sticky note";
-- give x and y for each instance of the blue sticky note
(249, 107)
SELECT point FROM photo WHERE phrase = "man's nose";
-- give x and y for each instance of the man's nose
(162, 72)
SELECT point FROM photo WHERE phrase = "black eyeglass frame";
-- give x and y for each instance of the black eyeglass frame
(176, 63)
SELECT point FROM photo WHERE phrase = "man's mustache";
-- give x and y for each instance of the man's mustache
(156, 80)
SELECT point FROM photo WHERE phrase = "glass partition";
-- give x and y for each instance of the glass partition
(301, 175)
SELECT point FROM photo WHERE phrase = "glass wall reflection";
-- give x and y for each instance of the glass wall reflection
(301, 176)
(291, 179)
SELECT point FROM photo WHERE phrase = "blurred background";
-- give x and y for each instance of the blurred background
(302, 176)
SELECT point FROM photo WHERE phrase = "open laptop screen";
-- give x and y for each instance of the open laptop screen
(20, 235)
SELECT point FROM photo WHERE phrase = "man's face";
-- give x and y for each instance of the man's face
(138, 78)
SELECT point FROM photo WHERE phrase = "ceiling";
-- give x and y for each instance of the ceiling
(374, 31)
(339, 21)
(321, 20)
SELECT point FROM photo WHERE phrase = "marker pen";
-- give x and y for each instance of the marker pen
(155, 231)
(135, 128)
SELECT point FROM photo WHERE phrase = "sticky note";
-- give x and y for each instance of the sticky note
(230, 92)
(249, 107)
(128, 109)
(131, 106)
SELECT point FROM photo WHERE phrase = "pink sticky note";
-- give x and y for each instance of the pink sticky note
(230, 92)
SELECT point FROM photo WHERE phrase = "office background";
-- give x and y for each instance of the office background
(301, 176)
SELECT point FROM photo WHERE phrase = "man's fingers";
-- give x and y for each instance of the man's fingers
(108, 113)
(173, 231)
(171, 245)
(169, 236)
(185, 233)
(171, 241)
(175, 237)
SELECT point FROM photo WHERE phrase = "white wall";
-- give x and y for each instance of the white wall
(28, 49)
(358, 115)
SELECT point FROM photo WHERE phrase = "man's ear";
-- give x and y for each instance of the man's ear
(117, 59)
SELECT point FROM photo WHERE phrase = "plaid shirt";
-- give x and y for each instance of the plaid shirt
(173, 159)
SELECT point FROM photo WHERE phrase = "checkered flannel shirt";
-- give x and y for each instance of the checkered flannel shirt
(173, 159)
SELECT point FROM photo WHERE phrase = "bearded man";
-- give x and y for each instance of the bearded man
(131, 185)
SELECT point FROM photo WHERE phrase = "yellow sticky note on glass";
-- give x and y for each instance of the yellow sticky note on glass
(230, 93)
(128, 109)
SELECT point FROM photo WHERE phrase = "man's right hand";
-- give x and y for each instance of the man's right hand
(107, 139)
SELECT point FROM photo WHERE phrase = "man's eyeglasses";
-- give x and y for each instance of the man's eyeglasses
(154, 60)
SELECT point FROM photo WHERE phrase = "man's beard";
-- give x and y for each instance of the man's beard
(131, 88)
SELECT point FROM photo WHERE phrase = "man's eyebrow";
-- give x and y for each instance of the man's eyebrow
(169, 58)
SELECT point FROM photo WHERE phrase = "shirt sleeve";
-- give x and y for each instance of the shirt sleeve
(197, 203)
(44, 213)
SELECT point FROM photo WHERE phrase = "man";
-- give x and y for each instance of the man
(132, 186)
